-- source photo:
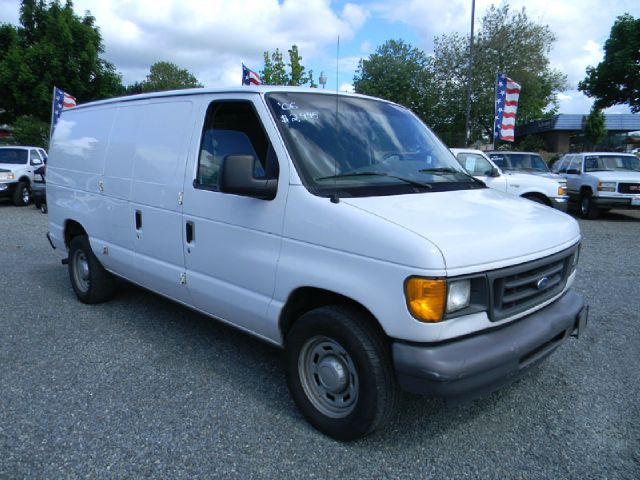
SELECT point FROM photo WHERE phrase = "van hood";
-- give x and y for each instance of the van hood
(477, 229)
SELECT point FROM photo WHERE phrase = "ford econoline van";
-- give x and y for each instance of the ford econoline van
(336, 226)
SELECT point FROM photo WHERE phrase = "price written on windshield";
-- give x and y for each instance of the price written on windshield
(298, 117)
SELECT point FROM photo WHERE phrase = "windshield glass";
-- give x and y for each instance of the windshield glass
(15, 156)
(531, 162)
(594, 163)
(369, 147)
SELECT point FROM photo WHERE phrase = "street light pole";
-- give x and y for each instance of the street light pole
(467, 126)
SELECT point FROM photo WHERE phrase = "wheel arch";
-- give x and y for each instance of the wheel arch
(305, 299)
(71, 230)
(25, 179)
(536, 195)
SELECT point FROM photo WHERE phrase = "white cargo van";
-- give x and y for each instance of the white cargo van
(335, 226)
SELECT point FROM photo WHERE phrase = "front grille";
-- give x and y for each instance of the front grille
(519, 288)
(629, 188)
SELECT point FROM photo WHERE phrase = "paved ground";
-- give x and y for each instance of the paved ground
(141, 387)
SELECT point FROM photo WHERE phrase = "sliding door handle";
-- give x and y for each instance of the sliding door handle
(191, 232)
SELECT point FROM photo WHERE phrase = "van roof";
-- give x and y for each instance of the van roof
(203, 91)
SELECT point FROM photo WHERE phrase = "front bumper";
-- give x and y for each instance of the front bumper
(617, 202)
(560, 203)
(481, 363)
(6, 189)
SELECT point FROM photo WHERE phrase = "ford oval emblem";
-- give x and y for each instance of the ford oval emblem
(542, 283)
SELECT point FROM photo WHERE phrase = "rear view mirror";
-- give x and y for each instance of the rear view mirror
(237, 177)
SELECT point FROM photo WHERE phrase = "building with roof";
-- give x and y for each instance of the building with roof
(565, 132)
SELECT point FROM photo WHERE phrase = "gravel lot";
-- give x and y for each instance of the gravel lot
(141, 387)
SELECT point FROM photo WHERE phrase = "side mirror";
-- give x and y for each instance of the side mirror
(572, 171)
(236, 176)
(494, 172)
(35, 162)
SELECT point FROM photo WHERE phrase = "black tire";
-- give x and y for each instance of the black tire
(43, 208)
(340, 373)
(587, 208)
(22, 194)
(91, 282)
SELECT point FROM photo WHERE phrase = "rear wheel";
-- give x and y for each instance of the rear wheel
(587, 207)
(339, 372)
(91, 282)
(43, 208)
(22, 194)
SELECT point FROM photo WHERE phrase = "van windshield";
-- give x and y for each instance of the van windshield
(14, 156)
(351, 146)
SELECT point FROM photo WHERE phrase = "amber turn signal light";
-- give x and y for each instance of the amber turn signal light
(426, 298)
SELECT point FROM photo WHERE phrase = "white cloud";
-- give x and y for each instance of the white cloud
(346, 87)
(211, 38)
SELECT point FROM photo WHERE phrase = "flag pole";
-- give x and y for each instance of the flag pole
(53, 102)
(495, 108)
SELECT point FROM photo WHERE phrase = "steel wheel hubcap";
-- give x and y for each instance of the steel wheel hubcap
(328, 376)
(25, 195)
(81, 270)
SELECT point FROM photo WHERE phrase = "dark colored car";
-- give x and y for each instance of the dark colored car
(39, 189)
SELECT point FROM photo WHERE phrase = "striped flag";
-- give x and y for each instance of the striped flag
(249, 77)
(61, 101)
(507, 94)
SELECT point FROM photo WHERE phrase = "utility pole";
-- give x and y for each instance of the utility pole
(467, 127)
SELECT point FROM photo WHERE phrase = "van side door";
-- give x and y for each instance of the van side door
(162, 140)
(232, 242)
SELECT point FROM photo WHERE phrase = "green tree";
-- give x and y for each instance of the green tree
(167, 76)
(509, 43)
(616, 79)
(28, 130)
(594, 127)
(275, 73)
(397, 72)
(51, 47)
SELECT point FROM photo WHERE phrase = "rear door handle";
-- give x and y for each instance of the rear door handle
(138, 220)
(191, 230)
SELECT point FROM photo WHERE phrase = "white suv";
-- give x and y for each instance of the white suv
(600, 181)
(542, 187)
(17, 166)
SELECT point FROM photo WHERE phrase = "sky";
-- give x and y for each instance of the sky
(212, 38)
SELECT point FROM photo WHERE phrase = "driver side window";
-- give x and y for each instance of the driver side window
(475, 164)
(233, 128)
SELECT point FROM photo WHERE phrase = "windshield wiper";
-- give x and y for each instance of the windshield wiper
(446, 170)
(378, 174)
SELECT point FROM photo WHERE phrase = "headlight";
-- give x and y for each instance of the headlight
(426, 298)
(606, 186)
(459, 295)
(7, 176)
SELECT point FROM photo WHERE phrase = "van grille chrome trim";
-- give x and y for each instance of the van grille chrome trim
(520, 288)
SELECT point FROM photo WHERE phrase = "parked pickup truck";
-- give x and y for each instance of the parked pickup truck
(335, 226)
(545, 188)
(17, 167)
(601, 181)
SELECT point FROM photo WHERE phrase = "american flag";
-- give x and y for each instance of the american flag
(507, 94)
(249, 77)
(61, 101)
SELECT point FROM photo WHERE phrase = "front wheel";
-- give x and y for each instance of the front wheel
(22, 194)
(91, 282)
(587, 208)
(339, 372)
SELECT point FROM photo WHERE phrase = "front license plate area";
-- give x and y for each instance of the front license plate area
(635, 202)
